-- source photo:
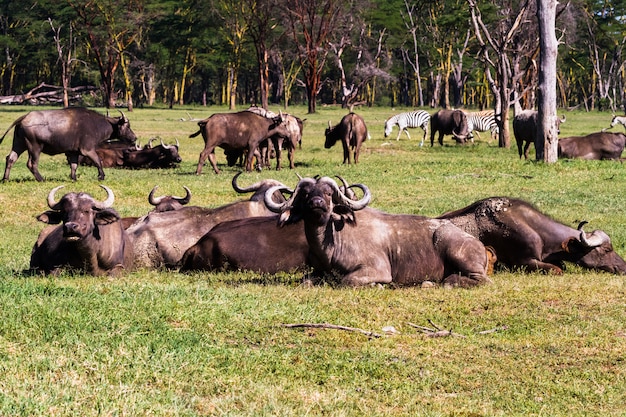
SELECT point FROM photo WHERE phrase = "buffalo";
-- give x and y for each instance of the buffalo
(525, 130)
(72, 131)
(522, 236)
(161, 239)
(599, 145)
(351, 131)
(449, 122)
(366, 246)
(255, 244)
(160, 156)
(91, 238)
(237, 131)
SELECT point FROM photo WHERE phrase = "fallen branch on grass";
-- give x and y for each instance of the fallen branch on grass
(332, 326)
(436, 332)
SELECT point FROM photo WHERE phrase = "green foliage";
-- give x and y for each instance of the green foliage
(162, 343)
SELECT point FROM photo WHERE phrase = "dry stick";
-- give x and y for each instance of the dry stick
(495, 329)
(436, 332)
(331, 326)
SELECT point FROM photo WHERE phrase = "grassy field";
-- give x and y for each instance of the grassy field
(161, 343)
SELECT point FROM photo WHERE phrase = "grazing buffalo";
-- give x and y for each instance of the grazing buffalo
(351, 131)
(161, 239)
(254, 244)
(525, 130)
(72, 131)
(600, 145)
(367, 246)
(449, 122)
(236, 131)
(522, 236)
(91, 238)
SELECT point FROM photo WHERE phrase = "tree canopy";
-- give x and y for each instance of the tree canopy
(371, 52)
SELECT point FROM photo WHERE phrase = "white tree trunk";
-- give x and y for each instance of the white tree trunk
(546, 142)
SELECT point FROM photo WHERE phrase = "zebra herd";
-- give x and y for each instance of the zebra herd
(480, 121)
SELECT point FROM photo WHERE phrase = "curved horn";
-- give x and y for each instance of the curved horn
(51, 202)
(109, 200)
(271, 204)
(329, 126)
(184, 200)
(123, 115)
(240, 190)
(346, 188)
(594, 239)
(177, 143)
(152, 199)
(164, 145)
(345, 200)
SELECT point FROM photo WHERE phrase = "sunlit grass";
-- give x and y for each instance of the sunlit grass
(164, 343)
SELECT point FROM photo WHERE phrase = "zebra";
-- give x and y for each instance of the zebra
(482, 121)
(418, 118)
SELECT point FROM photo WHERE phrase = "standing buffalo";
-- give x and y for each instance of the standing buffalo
(161, 239)
(600, 145)
(367, 246)
(236, 131)
(522, 236)
(525, 130)
(90, 239)
(449, 122)
(73, 131)
(351, 131)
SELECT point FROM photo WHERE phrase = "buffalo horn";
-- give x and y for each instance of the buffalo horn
(344, 199)
(123, 115)
(274, 206)
(329, 126)
(186, 198)
(51, 201)
(109, 200)
(164, 145)
(177, 143)
(594, 239)
(152, 199)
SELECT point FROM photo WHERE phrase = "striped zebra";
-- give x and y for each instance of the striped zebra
(482, 121)
(418, 118)
(616, 120)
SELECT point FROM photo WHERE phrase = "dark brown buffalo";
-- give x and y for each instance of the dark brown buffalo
(111, 154)
(525, 130)
(254, 244)
(158, 157)
(161, 239)
(367, 246)
(232, 131)
(72, 131)
(351, 131)
(522, 236)
(449, 122)
(600, 145)
(91, 238)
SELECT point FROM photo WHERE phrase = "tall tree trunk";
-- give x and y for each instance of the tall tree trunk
(546, 142)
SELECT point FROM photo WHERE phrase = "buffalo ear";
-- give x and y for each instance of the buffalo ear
(571, 245)
(288, 217)
(50, 217)
(344, 213)
(106, 216)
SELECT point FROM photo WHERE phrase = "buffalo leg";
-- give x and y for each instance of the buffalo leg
(207, 153)
(72, 158)
(93, 155)
(346, 152)
(11, 158)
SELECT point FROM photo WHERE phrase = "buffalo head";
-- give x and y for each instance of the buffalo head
(595, 251)
(167, 203)
(80, 213)
(316, 200)
(122, 130)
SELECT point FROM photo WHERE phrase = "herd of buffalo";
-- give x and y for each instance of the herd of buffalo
(321, 225)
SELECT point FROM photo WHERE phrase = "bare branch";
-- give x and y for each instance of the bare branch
(332, 326)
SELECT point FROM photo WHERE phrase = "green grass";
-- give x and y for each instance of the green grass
(162, 343)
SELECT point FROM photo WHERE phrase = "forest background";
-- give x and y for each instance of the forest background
(445, 53)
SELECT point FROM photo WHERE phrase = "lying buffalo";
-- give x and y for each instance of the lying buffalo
(366, 246)
(91, 238)
(72, 131)
(522, 236)
(600, 145)
(161, 239)
(254, 244)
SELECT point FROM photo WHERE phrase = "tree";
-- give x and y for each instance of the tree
(312, 25)
(499, 41)
(546, 140)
